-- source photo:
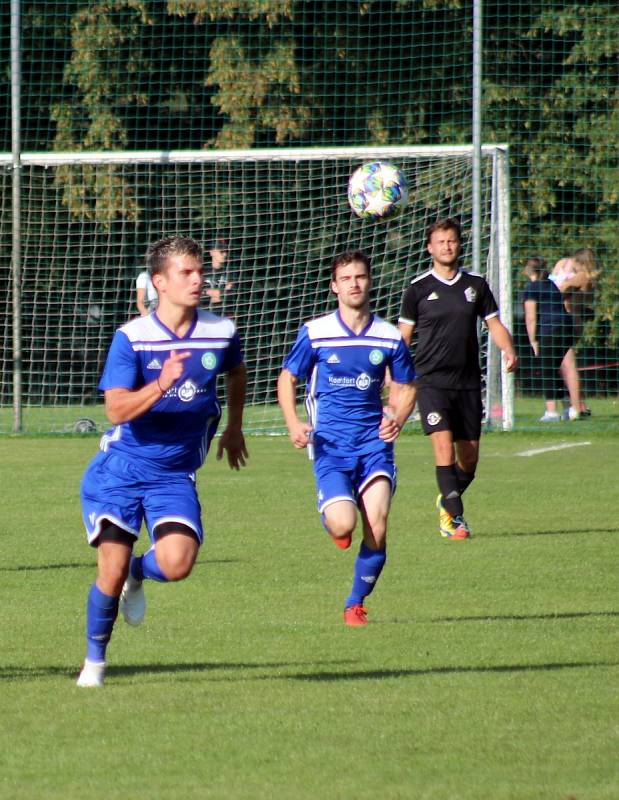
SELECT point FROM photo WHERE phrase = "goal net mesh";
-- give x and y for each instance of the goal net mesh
(87, 222)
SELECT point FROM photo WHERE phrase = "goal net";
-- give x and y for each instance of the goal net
(87, 219)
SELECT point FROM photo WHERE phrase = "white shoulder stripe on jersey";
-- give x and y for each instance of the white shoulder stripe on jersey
(419, 277)
(389, 343)
(190, 344)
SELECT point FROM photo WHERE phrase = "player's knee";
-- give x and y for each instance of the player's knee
(111, 577)
(176, 566)
(340, 527)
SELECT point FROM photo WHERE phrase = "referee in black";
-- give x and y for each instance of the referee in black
(443, 306)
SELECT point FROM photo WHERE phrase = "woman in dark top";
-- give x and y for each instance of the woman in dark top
(551, 334)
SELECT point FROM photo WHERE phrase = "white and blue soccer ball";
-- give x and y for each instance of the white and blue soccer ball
(377, 190)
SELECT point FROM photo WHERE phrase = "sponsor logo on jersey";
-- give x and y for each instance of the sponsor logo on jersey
(376, 356)
(433, 418)
(333, 359)
(154, 363)
(433, 296)
(470, 294)
(209, 360)
(187, 391)
(363, 382)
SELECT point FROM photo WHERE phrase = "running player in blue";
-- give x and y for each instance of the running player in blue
(160, 395)
(343, 357)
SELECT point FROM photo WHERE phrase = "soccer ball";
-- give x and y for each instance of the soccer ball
(377, 190)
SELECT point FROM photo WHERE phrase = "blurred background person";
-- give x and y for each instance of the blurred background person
(219, 280)
(146, 294)
(551, 334)
(577, 284)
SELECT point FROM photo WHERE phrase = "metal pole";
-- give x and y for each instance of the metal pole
(477, 120)
(16, 211)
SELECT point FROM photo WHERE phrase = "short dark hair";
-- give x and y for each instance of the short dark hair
(218, 243)
(347, 258)
(537, 264)
(159, 252)
(447, 224)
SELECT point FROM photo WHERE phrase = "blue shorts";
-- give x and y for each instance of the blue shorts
(126, 494)
(345, 477)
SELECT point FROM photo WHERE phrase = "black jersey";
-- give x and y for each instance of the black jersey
(445, 315)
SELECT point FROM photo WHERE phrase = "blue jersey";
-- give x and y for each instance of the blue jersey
(345, 373)
(174, 433)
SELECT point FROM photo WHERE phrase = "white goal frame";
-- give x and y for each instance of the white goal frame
(499, 385)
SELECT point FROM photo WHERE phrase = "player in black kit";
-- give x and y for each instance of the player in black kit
(443, 306)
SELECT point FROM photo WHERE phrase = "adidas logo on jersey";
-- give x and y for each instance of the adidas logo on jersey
(333, 359)
(433, 296)
(154, 364)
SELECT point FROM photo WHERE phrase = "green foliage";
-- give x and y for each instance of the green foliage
(128, 74)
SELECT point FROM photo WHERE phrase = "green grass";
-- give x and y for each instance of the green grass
(38, 420)
(489, 670)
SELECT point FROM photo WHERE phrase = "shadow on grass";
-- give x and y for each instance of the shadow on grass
(92, 565)
(563, 532)
(183, 671)
(462, 670)
(24, 673)
(524, 617)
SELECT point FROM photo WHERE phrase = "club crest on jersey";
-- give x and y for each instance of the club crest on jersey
(433, 418)
(209, 360)
(376, 356)
(470, 294)
(187, 391)
(363, 382)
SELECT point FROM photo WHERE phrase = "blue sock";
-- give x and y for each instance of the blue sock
(101, 612)
(368, 566)
(146, 566)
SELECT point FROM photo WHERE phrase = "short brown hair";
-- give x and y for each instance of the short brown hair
(537, 265)
(447, 224)
(347, 258)
(159, 252)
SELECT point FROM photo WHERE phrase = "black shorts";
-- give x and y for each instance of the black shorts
(457, 410)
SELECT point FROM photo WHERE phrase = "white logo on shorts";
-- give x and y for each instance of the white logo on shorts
(187, 391)
(433, 418)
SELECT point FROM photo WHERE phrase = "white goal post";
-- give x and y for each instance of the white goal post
(87, 218)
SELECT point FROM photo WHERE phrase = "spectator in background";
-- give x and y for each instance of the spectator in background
(219, 280)
(146, 294)
(577, 284)
(551, 334)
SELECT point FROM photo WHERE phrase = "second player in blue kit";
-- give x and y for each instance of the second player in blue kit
(344, 358)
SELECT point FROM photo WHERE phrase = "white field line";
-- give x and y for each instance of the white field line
(564, 446)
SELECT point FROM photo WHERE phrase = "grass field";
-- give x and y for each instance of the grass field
(489, 670)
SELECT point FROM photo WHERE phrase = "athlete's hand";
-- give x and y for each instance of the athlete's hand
(172, 369)
(511, 360)
(233, 442)
(300, 434)
(389, 429)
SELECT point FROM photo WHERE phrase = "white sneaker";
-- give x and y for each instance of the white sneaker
(572, 413)
(92, 674)
(550, 416)
(132, 601)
